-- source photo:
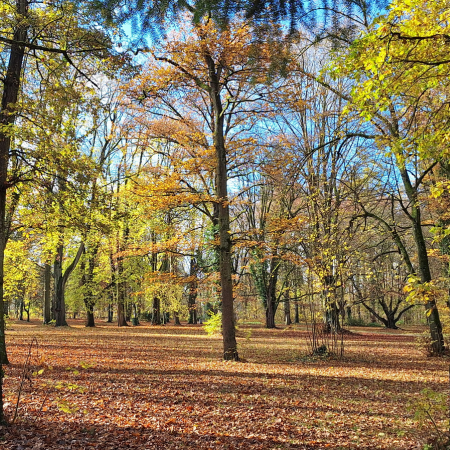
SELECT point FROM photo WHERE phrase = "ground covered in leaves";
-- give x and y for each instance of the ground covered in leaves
(166, 387)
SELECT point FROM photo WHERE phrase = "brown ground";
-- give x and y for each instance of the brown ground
(166, 388)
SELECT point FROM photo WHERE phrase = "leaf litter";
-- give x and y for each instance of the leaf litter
(151, 387)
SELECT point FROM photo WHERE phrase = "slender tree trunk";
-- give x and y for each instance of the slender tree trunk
(135, 319)
(193, 285)
(88, 283)
(434, 321)
(60, 305)
(47, 293)
(287, 309)
(225, 244)
(121, 319)
(437, 338)
(271, 292)
(112, 288)
(296, 313)
(110, 313)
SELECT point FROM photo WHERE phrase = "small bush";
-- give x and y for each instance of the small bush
(425, 345)
(321, 351)
(431, 410)
(213, 325)
(353, 322)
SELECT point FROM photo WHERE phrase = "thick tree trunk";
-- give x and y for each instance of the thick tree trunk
(47, 293)
(90, 320)
(11, 86)
(156, 311)
(128, 308)
(60, 283)
(270, 314)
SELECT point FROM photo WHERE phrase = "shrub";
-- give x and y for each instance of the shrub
(213, 325)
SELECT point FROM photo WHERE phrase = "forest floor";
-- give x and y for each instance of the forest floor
(165, 387)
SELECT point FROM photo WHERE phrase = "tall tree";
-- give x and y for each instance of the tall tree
(400, 89)
(221, 75)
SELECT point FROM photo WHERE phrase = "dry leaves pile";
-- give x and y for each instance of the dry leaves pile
(166, 388)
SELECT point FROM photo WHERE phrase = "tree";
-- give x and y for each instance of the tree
(221, 75)
(411, 122)
(32, 31)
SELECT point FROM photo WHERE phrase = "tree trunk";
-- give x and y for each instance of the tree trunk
(135, 319)
(296, 313)
(59, 303)
(60, 283)
(432, 312)
(156, 314)
(128, 308)
(88, 284)
(120, 289)
(271, 300)
(287, 309)
(90, 320)
(110, 313)
(193, 286)
(47, 293)
(228, 328)
(11, 86)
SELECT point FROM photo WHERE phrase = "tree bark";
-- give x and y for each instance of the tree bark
(287, 309)
(47, 293)
(11, 86)
(296, 313)
(225, 244)
(110, 313)
(90, 320)
(121, 319)
(193, 285)
(60, 283)
(437, 338)
(21, 310)
(156, 311)
(88, 283)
